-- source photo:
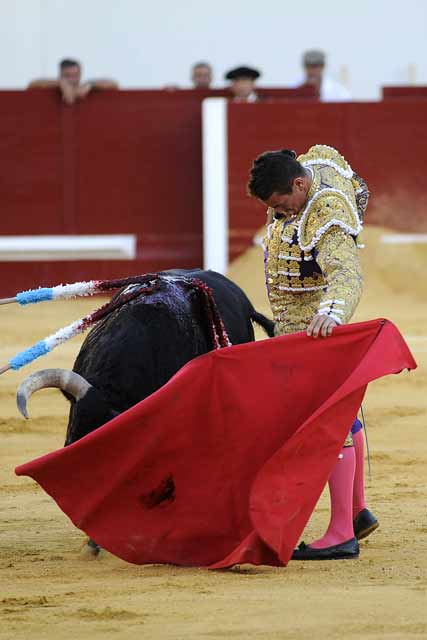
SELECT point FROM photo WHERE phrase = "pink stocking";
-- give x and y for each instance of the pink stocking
(359, 476)
(341, 480)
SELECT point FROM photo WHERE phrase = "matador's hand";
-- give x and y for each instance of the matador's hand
(321, 325)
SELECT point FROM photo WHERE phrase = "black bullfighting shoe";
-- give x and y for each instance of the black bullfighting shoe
(348, 549)
(364, 523)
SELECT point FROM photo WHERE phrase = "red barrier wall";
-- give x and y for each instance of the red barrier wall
(303, 92)
(130, 162)
(405, 91)
(119, 162)
(384, 141)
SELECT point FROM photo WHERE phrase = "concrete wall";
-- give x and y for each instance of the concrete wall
(143, 43)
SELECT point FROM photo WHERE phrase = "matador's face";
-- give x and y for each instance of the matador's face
(290, 203)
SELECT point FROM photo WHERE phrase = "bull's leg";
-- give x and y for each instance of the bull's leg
(91, 549)
(93, 546)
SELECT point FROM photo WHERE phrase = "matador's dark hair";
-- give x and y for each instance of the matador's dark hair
(274, 171)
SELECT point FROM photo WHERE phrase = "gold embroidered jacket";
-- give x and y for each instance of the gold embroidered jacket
(311, 262)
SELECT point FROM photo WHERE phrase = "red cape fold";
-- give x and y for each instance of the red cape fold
(225, 463)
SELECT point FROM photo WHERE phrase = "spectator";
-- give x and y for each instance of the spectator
(69, 82)
(201, 75)
(243, 84)
(314, 62)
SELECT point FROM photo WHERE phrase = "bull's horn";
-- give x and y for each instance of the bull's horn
(63, 379)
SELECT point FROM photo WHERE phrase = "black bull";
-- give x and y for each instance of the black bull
(138, 347)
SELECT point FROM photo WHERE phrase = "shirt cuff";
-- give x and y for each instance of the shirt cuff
(333, 309)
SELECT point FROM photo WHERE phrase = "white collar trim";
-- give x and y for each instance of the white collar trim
(345, 173)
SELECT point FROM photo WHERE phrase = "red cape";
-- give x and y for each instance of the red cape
(225, 463)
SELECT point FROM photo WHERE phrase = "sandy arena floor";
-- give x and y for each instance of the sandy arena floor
(48, 590)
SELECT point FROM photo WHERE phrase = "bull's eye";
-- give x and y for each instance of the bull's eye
(165, 492)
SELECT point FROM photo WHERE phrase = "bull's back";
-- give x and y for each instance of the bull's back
(137, 348)
(233, 304)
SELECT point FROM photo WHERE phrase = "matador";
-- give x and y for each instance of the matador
(316, 205)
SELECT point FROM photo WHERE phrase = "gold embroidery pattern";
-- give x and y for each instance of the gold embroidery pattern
(293, 252)
(298, 281)
(339, 260)
(362, 194)
(337, 207)
(294, 311)
(328, 177)
(286, 265)
(322, 151)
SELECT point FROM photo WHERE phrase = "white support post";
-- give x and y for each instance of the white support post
(215, 184)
